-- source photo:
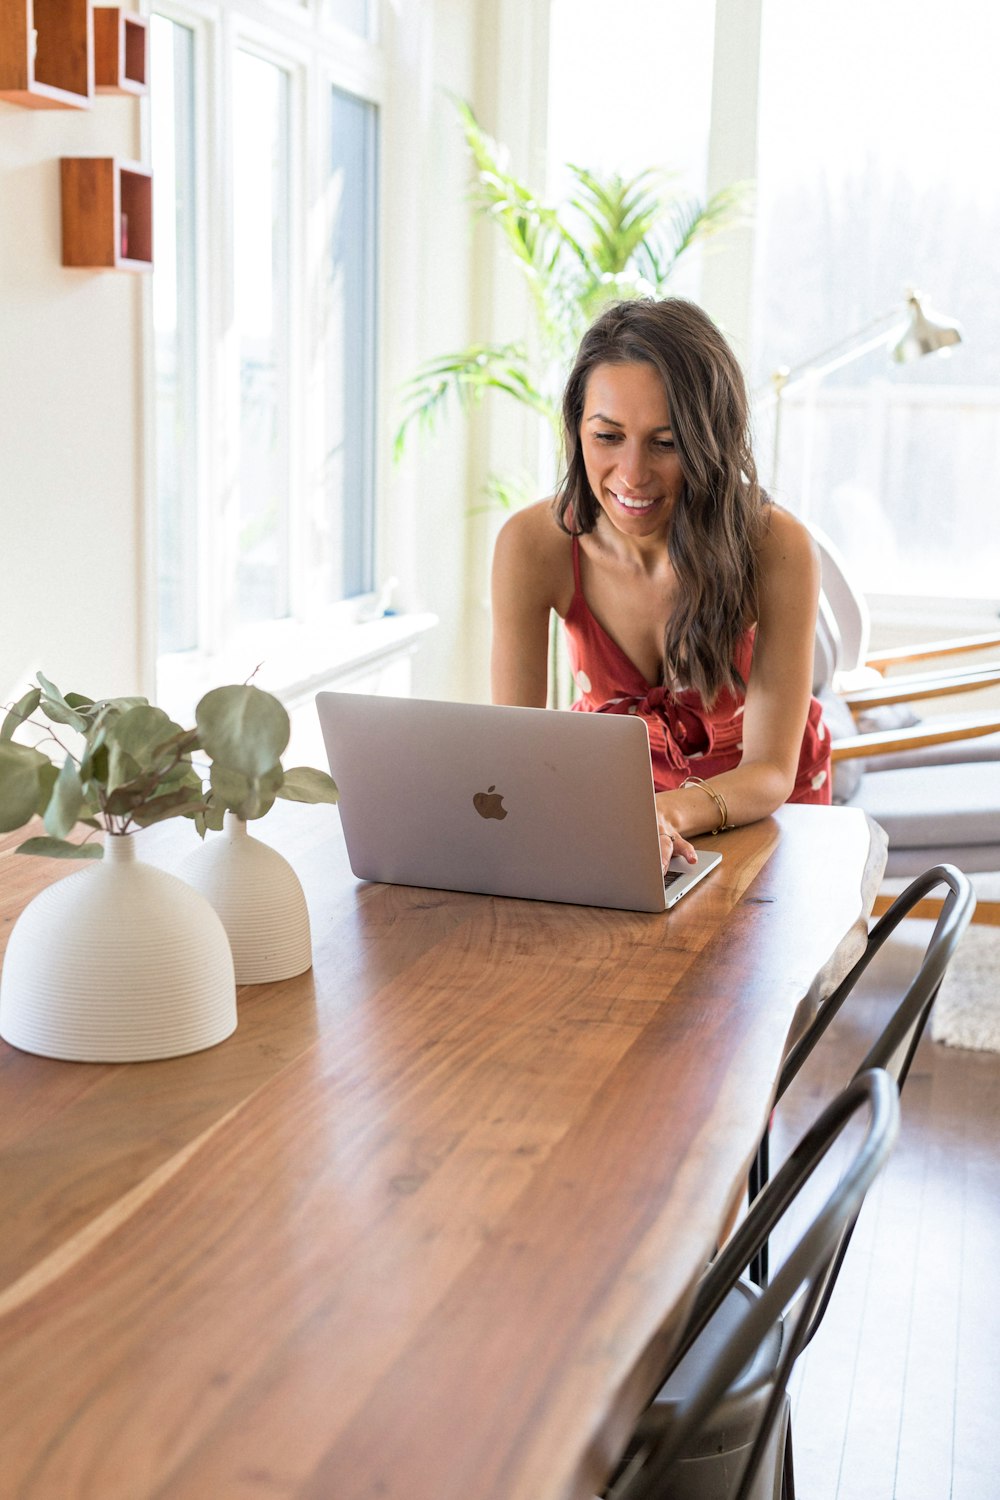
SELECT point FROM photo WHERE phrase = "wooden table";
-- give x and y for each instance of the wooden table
(425, 1227)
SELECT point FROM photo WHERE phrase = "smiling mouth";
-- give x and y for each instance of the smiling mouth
(635, 503)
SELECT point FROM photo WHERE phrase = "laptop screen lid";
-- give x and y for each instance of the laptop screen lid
(528, 802)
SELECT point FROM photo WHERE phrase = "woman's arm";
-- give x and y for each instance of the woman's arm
(778, 692)
(532, 561)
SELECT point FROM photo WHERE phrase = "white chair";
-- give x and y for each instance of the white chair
(933, 785)
(881, 707)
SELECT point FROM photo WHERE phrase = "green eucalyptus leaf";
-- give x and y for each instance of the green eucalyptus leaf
(124, 800)
(182, 804)
(181, 743)
(306, 784)
(182, 775)
(51, 691)
(22, 709)
(146, 735)
(21, 768)
(48, 775)
(249, 797)
(123, 705)
(211, 819)
(60, 849)
(66, 801)
(94, 765)
(61, 713)
(125, 771)
(230, 789)
(243, 729)
(55, 706)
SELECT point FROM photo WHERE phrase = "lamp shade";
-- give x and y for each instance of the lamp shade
(925, 333)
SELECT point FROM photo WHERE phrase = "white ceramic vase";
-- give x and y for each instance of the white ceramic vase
(118, 962)
(259, 899)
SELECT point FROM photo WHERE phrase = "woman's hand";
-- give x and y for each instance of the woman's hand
(672, 841)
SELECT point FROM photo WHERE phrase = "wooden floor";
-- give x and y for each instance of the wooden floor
(898, 1397)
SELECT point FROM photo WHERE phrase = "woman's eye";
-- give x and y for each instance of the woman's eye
(607, 437)
(664, 445)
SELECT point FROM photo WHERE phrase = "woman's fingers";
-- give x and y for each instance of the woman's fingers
(672, 844)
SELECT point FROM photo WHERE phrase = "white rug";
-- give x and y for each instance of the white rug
(967, 1010)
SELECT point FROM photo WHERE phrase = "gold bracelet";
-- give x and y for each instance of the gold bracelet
(716, 797)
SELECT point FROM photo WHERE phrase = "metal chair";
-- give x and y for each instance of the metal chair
(893, 1049)
(719, 1428)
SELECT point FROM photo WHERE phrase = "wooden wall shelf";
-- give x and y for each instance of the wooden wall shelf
(107, 213)
(121, 51)
(47, 53)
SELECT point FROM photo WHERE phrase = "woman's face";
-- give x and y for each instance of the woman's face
(628, 448)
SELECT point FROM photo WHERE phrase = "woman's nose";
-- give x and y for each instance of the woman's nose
(633, 465)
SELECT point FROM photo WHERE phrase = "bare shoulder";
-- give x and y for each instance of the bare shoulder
(532, 528)
(787, 545)
(532, 547)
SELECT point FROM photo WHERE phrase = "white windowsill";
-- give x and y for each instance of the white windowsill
(292, 661)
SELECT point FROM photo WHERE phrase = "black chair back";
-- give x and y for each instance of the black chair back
(794, 1299)
(894, 1048)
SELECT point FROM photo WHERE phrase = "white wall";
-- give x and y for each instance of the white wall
(71, 557)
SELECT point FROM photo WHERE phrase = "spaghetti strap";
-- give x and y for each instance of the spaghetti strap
(576, 564)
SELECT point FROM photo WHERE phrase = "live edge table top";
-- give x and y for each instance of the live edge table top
(426, 1225)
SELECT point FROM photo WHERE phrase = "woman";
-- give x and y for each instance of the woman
(687, 596)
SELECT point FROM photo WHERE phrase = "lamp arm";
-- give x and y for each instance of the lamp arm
(844, 352)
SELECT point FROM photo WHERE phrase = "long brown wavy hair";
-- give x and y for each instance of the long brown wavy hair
(717, 524)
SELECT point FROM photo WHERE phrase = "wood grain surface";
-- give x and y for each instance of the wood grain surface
(425, 1226)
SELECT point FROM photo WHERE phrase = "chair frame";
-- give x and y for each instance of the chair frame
(862, 679)
(806, 1279)
(895, 1046)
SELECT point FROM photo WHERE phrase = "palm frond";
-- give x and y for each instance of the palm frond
(621, 213)
(689, 221)
(506, 492)
(612, 237)
(466, 376)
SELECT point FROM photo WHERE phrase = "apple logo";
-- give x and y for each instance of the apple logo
(489, 804)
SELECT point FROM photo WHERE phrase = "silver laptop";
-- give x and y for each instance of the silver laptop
(521, 802)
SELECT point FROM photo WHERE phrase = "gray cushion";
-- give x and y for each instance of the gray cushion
(929, 807)
(971, 859)
(839, 721)
(887, 716)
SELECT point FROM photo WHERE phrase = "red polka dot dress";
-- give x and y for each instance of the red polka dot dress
(685, 737)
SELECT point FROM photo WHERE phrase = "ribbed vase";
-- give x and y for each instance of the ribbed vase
(119, 962)
(259, 899)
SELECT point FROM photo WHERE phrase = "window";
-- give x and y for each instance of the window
(262, 300)
(876, 130)
(176, 314)
(265, 319)
(355, 15)
(590, 82)
(350, 344)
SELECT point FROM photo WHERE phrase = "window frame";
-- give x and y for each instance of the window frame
(318, 55)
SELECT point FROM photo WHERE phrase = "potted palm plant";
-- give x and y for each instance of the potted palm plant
(611, 237)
